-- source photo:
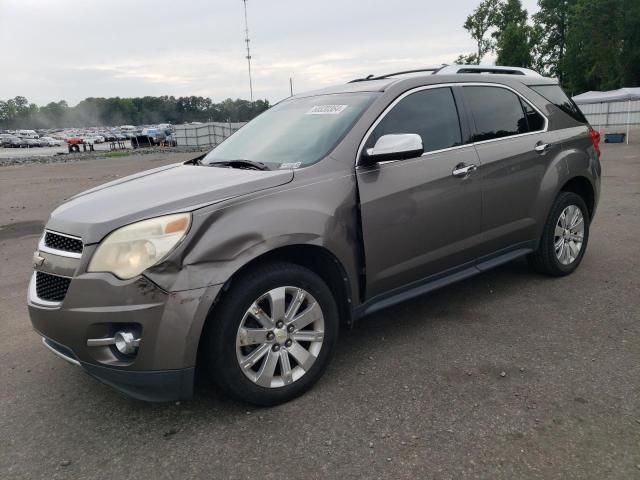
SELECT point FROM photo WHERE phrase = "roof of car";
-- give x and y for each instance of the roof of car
(435, 75)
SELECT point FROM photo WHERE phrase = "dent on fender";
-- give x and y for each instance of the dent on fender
(226, 237)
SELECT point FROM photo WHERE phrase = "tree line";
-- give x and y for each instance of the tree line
(586, 44)
(18, 112)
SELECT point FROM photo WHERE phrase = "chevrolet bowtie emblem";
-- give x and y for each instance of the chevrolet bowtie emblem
(38, 261)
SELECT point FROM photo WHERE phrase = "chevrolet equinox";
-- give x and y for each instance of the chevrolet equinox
(327, 207)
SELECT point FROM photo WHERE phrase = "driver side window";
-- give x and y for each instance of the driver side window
(430, 113)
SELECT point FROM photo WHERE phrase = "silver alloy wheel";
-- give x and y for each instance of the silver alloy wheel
(569, 235)
(280, 337)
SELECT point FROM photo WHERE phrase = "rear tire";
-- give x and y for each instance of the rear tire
(257, 346)
(564, 238)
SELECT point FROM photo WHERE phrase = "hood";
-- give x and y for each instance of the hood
(173, 188)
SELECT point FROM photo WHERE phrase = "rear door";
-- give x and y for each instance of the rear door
(515, 150)
(417, 218)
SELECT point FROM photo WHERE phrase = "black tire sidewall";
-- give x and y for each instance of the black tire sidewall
(226, 317)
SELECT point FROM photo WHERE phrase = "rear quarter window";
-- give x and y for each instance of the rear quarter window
(555, 95)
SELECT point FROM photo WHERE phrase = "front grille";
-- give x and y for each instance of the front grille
(51, 287)
(62, 242)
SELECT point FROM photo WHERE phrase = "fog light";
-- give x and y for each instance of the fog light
(125, 342)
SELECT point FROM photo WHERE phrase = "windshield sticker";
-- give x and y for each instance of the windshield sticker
(290, 165)
(327, 110)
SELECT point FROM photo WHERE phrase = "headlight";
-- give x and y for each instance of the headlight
(130, 250)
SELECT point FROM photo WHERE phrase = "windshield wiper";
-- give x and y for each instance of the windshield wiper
(241, 163)
(196, 161)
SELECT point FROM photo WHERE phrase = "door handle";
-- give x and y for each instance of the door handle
(462, 170)
(542, 147)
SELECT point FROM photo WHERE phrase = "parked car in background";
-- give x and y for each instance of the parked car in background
(156, 135)
(6, 139)
(27, 134)
(129, 131)
(50, 142)
(108, 136)
(32, 142)
(16, 142)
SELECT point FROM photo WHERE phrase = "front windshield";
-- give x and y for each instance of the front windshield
(295, 132)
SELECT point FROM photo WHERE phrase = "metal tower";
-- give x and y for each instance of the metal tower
(246, 39)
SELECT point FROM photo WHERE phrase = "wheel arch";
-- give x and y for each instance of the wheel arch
(581, 186)
(318, 259)
(556, 181)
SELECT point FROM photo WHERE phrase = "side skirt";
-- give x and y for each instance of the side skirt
(443, 279)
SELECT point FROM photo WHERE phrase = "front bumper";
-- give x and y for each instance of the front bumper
(150, 386)
(98, 304)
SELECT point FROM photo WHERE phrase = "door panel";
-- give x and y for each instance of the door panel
(515, 152)
(417, 218)
(512, 173)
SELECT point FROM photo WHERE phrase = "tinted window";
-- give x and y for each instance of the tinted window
(555, 95)
(535, 121)
(432, 114)
(497, 112)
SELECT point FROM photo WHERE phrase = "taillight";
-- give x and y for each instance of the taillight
(595, 139)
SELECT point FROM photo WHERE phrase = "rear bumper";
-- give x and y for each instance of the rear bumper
(149, 386)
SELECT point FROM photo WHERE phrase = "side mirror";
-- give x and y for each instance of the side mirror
(399, 146)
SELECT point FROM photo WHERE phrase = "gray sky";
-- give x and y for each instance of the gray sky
(73, 49)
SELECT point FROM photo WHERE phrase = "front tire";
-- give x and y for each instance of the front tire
(564, 238)
(272, 335)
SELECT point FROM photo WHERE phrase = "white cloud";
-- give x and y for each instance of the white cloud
(162, 47)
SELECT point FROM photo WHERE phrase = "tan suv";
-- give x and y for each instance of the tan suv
(329, 206)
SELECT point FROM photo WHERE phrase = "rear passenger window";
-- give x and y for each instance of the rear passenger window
(498, 113)
(430, 113)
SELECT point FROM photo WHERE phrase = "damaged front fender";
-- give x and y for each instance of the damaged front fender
(225, 237)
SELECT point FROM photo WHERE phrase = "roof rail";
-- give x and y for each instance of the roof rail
(495, 69)
(445, 69)
(432, 70)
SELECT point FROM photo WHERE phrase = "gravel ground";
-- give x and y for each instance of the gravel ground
(504, 376)
(23, 153)
(23, 156)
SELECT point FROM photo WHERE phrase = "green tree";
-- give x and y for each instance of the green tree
(470, 59)
(552, 21)
(515, 46)
(594, 47)
(514, 37)
(4, 114)
(508, 13)
(631, 44)
(478, 25)
(19, 113)
(54, 113)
